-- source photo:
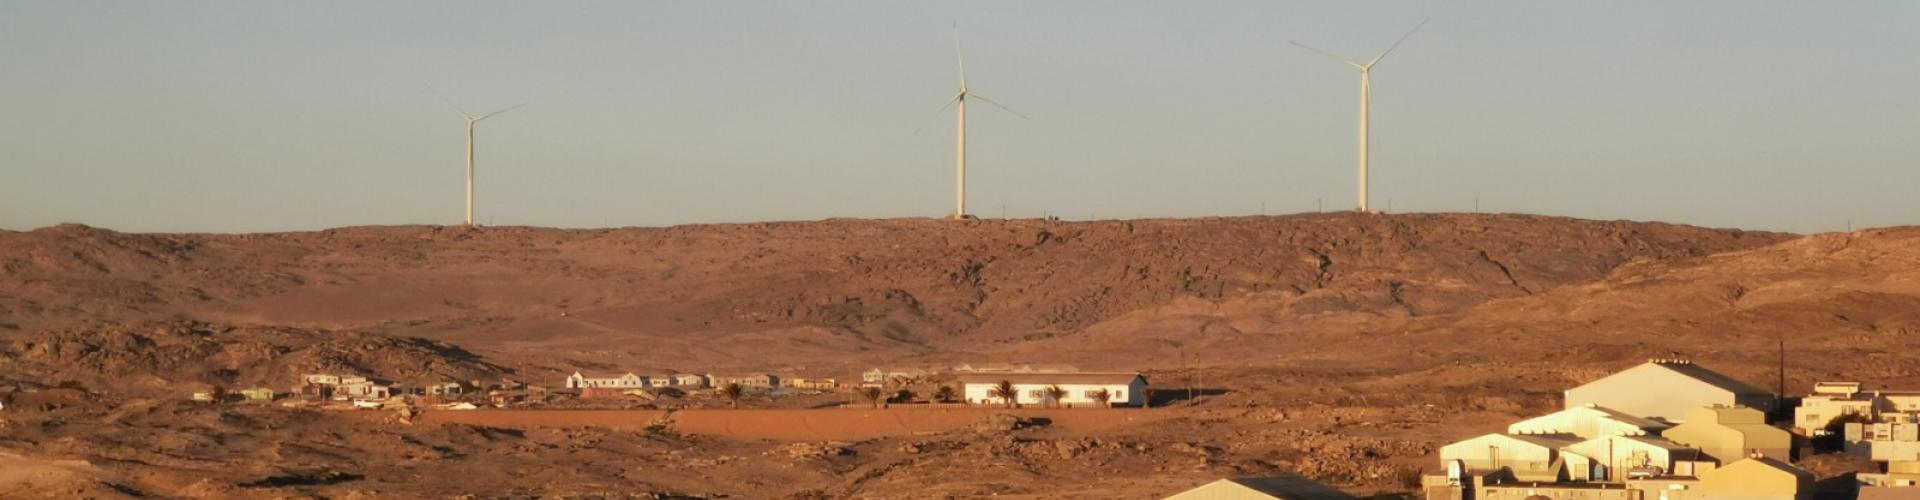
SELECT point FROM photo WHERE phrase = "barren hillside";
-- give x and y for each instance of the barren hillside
(1344, 347)
(819, 290)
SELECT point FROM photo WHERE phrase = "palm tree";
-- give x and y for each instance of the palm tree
(1104, 397)
(904, 396)
(1053, 394)
(944, 394)
(733, 392)
(1005, 391)
(873, 395)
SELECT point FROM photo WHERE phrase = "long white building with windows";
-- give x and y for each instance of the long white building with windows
(1082, 388)
(628, 381)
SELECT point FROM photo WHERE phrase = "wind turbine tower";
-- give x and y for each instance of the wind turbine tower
(471, 121)
(959, 103)
(1366, 98)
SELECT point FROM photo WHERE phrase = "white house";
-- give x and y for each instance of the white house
(320, 379)
(1123, 388)
(628, 381)
(690, 380)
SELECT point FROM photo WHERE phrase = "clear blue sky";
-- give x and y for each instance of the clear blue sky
(261, 116)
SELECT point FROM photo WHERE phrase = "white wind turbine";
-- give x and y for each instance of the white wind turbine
(471, 120)
(960, 100)
(1366, 98)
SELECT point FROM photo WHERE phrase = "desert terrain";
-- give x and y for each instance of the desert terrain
(1344, 347)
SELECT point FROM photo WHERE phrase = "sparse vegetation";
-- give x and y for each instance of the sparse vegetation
(733, 393)
(944, 394)
(873, 395)
(1103, 397)
(1006, 393)
(904, 396)
(1052, 395)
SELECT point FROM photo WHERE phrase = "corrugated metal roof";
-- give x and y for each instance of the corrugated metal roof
(1101, 378)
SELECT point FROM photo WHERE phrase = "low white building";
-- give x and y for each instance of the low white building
(1123, 388)
(628, 381)
(690, 380)
(320, 379)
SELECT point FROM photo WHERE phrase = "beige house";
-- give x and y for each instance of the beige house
(690, 380)
(1890, 442)
(818, 384)
(1729, 433)
(1588, 422)
(754, 381)
(1665, 389)
(1531, 457)
(1760, 478)
(1831, 400)
(1262, 488)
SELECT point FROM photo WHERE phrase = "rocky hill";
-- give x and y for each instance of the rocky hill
(823, 289)
(176, 356)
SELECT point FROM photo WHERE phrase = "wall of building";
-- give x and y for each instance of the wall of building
(1123, 395)
(1494, 451)
(1627, 392)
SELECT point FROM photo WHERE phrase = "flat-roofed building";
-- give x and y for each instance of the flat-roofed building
(1082, 388)
(627, 381)
(1666, 389)
(1759, 478)
(1729, 433)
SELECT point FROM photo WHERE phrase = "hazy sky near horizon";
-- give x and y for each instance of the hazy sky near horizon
(269, 116)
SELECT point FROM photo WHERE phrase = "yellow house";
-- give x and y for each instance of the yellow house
(1761, 478)
(1262, 488)
(1665, 389)
(1729, 433)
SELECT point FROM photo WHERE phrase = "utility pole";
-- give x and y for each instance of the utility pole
(1783, 372)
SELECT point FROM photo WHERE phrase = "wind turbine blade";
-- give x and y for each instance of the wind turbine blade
(510, 108)
(1329, 54)
(449, 101)
(998, 105)
(943, 110)
(959, 57)
(1396, 44)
